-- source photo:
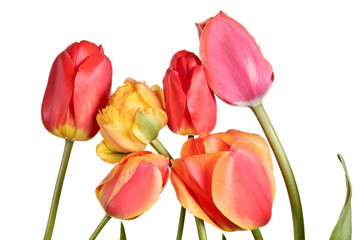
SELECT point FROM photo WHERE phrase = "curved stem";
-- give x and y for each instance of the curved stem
(181, 223)
(100, 227)
(292, 189)
(57, 190)
(201, 229)
(257, 234)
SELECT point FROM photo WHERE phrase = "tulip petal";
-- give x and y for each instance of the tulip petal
(58, 93)
(159, 93)
(92, 88)
(197, 173)
(201, 102)
(241, 188)
(175, 100)
(214, 144)
(255, 139)
(147, 124)
(137, 194)
(234, 65)
(107, 155)
(80, 51)
(187, 199)
(192, 147)
(148, 95)
(118, 138)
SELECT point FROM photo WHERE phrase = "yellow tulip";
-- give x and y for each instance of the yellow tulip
(132, 119)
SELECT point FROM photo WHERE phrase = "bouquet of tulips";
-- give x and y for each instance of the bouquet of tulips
(225, 179)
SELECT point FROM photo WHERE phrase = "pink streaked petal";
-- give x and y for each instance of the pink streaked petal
(234, 65)
(59, 91)
(201, 97)
(242, 190)
(138, 195)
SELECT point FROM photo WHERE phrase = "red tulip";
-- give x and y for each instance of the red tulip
(233, 63)
(79, 85)
(226, 179)
(134, 185)
(189, 103)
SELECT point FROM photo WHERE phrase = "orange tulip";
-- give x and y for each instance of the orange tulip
(133, 185)
(226, 179)
(189, 102)
(79, 85)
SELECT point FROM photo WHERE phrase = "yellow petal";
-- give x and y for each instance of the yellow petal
(107, 155)
(159, 93)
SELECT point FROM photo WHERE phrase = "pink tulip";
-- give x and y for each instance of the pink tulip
(189, 103)
(226, 179)
(234, 66)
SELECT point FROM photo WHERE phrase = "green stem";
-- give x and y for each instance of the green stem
(181, 224)
(223, 237)
(200, 229)
(122, 232)
(157, 145)
(292, 189)
(100, 227)
(57, 191)
(257, 234)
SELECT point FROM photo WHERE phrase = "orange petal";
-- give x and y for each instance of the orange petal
(242, 189)
(187, 199)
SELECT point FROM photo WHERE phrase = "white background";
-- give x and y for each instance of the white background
(313, 46)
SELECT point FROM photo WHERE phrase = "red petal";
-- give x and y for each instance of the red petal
(92, 91)
(175, 100)
(201, 103)
(58, 92)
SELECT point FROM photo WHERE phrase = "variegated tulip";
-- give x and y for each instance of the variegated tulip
(226, 179)
(79, 85)
(234, 66)
(132, 119)
(133, 185)
(189, 103)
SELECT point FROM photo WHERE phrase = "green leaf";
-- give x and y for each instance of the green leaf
(122, 232)
(342, 230)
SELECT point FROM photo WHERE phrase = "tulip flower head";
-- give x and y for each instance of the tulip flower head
(233, 63)
(79, 85)
(131, 120)
(133, 185)
(226, 179)
(189, 102)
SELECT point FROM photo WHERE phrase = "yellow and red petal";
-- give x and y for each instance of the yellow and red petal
(107, 155)
(58, 93)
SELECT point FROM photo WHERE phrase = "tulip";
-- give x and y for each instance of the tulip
(233, 63)
(133, 118)
(189, 102)
(79, 84)
(226, 179)
(133, 185)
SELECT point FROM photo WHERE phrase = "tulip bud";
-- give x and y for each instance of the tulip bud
(79, 84)
(233, 63)
(189, 102)
(226, 179)
(134, 185)
(132, 119)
